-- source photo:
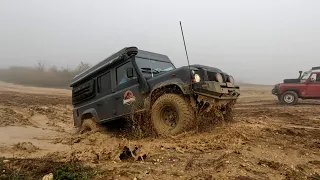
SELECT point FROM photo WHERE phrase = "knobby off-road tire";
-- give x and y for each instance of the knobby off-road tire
(289, 98)
(184, 119)
(89, 125)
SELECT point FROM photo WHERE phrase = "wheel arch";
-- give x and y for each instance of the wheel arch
(89, 113)
(167, 87)
(296, 90)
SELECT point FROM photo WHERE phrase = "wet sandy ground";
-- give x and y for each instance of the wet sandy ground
(266, 141)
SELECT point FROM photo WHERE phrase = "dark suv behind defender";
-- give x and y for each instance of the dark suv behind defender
(133, 81)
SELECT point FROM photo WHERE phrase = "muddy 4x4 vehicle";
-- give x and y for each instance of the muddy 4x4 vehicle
(137, 81)
(306, 86)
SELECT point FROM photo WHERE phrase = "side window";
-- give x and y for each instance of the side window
(122, 73)
(104, 83)
(315, 78)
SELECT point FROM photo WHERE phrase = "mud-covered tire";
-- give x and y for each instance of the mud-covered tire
(185, 116)
(89, 125)
(229, 115)
(289, 98)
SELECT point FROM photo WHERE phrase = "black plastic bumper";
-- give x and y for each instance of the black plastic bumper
(216, 91)
(275, 91)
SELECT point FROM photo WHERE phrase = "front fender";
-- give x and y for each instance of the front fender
(184, 87)
(297, 90)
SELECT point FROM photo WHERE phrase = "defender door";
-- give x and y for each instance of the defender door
(313, 86)
(127, 91)
(104, 104)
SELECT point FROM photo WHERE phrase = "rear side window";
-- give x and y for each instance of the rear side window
(104, 83)
(83, 92)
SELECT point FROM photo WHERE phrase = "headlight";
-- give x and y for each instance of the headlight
(197, 78)
(219, 78)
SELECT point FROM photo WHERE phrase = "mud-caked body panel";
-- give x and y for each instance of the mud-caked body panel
(132, 81)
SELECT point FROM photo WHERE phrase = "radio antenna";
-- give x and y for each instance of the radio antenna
(185, 48)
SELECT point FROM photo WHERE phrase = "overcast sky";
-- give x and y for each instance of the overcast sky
(257, 41)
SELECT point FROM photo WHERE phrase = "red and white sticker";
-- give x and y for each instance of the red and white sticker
(128, 98)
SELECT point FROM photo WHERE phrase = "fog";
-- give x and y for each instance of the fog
(255, 41)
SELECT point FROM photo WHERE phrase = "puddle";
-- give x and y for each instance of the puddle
(11, 135)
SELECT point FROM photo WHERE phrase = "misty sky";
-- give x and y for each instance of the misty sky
(257, 41)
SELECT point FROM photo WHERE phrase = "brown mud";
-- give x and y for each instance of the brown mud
(266, 140)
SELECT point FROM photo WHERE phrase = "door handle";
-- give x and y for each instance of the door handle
(99, 104)
(118, 98)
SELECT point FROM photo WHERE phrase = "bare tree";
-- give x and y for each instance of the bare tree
(82, 67)
(41, 66)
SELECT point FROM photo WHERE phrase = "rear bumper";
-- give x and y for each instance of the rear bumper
(216, 90)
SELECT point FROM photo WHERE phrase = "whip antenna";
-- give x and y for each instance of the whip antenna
(185, 48)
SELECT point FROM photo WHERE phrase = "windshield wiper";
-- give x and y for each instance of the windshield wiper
(151, 70)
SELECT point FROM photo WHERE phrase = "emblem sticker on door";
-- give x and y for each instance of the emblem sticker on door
(128, 98)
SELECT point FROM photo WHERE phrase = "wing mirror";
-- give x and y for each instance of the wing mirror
(129, 72)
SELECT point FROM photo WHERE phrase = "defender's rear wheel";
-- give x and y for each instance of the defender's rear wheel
(89, 125)
(171, 115)
(289, 97)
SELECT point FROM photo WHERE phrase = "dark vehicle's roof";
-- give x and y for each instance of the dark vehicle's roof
(106, 62)
(152, 55)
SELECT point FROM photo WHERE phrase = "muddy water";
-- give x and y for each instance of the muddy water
(39, 137)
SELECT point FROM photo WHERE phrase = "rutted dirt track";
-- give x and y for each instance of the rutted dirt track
(266, 141)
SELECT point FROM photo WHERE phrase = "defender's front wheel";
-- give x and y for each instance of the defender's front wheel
(171, 115)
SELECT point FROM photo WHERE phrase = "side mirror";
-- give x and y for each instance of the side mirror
(129, 72)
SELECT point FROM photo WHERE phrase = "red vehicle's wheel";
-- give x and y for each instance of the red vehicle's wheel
(289, 97)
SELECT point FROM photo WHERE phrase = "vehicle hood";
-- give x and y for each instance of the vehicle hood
(286, 81)
(208, 68)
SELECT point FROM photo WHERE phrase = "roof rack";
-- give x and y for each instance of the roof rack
(315, 68)
(118, 57)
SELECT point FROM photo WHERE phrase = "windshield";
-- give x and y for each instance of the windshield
(305, 75)
(153, 66)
